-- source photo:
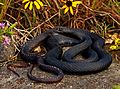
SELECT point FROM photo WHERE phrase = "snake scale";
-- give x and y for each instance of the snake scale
(81, 42)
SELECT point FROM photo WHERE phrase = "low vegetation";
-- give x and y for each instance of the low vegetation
(20, 20)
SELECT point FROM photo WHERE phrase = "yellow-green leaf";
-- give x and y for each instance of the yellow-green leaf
(117, 41)
(113, 47)
(1, 3)
(116, 87)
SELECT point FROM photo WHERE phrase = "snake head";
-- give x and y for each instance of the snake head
(60, 28)
(57, 29)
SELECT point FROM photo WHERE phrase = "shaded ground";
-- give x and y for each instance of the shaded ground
(102, 80)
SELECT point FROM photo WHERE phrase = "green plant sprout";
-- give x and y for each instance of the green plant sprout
(116, 87)
(6, 32)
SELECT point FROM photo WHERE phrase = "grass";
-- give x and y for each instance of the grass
(100, 16)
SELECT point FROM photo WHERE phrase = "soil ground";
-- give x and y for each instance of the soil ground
(102, 80)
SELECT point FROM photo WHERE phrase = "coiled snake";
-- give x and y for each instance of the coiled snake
(103, 62)
(82, 42)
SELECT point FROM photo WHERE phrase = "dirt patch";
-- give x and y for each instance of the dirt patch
(102, 80)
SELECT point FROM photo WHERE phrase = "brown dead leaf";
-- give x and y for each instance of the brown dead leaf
(109, 41)
(38, 49)
(114, 36)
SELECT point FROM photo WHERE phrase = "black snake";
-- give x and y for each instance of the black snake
(53, 40)
(28, 56)
(103, 62)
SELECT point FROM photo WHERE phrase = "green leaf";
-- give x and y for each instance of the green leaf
(10, 33)
(11, 27)
(1, 39)
(1, 32)
(116, 87)
(34, 16)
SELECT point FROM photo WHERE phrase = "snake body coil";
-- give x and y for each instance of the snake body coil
(103, 62)
(81, 42)
(28, 56)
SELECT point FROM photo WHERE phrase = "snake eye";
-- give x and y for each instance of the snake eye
(60, 29)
